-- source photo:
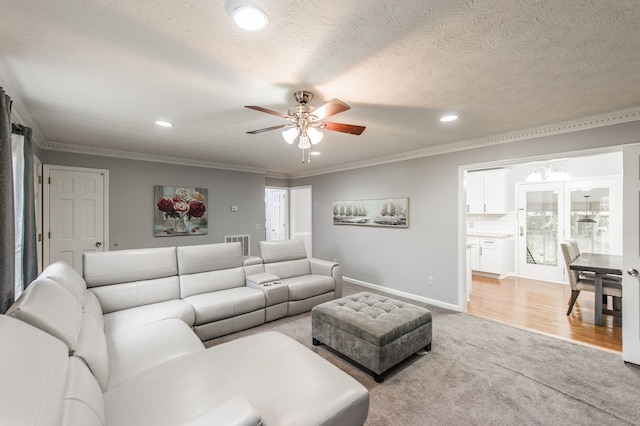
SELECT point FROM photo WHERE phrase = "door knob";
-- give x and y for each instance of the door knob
(98, 243)
(632, 272)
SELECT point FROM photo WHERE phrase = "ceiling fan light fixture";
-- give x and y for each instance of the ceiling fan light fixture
(304, 142)
(314, 135)
(250, 18)
(290, 135)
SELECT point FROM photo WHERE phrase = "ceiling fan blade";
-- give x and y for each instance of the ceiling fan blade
(266, 129)
(352, 129)
(334, 106)
(268, 111)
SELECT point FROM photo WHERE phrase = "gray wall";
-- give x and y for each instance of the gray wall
(131, 201)
(402, 259)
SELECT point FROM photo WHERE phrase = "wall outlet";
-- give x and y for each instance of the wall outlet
(430, 280)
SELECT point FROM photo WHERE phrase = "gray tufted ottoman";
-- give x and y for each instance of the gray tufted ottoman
(375, 331)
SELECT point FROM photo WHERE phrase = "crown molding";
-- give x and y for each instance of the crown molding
(618, 117)
(104, 152)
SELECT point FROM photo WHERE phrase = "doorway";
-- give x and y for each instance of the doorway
(568, 205)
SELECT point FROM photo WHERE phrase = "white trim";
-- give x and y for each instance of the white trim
(45, 206)
(619, 117)
(105, 152)
(593, 122)
(402, 294)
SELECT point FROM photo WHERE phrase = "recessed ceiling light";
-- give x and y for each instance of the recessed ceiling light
(316, 153)
(250, 18)
(164, 123)
(451, 117)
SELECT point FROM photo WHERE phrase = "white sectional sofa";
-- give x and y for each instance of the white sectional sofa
(211, 287)
(122, 353)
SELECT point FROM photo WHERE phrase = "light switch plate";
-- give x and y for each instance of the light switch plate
(234, 208)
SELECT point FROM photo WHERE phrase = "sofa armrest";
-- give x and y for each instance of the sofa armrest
(332, 269)
(322, 267)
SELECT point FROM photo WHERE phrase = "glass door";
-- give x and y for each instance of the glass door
(540, 228)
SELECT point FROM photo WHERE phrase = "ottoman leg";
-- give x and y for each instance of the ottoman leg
(428, 347)
(379, 378)
(315, 341)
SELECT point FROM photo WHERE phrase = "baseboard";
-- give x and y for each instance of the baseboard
(403, 294)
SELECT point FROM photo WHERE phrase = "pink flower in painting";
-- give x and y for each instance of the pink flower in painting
(165, 204)
(181, 207)
(196, 208)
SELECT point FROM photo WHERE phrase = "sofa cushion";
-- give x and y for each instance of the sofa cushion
(128, 319)
(83, 403)
(33, 372)
(142, 349)
(92, 348)
(315, 391)
(306, 286)
(64, 274)
(50, 307)
(121, 266)
(281, 251)
(208, 257)
(205, 282)
(91, 305)
(289, 268)
(190, 391)
(117, 297)
(225, 304)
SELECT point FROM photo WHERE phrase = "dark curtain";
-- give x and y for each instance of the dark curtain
(29, 242)
(7, 242)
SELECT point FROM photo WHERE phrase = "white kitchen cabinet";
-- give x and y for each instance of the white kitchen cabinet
(487, 191)
(489, 255)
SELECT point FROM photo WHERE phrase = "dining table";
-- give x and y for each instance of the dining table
(600, 264)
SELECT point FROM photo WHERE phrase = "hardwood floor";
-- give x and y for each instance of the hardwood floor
(542, 306)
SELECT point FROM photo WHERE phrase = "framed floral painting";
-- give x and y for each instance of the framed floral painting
(179, 211)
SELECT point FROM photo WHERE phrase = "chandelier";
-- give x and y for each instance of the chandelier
(551, 173)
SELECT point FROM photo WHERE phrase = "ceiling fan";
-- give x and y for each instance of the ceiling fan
(305, 121)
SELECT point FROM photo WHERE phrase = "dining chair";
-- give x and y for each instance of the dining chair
(611, 286)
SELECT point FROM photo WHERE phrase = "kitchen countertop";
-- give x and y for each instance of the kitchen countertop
(488, 235)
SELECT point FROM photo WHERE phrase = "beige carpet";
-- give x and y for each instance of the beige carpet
(481, 372)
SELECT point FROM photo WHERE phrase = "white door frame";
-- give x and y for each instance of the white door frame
(46, 200)
(301, 228)
(631, 255)
(38, 188)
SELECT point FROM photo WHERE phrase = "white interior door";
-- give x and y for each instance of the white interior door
(276, 214)
(631, 254)
(540, 228)
(75, 213)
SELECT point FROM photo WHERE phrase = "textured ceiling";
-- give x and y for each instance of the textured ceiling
(99, 73)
